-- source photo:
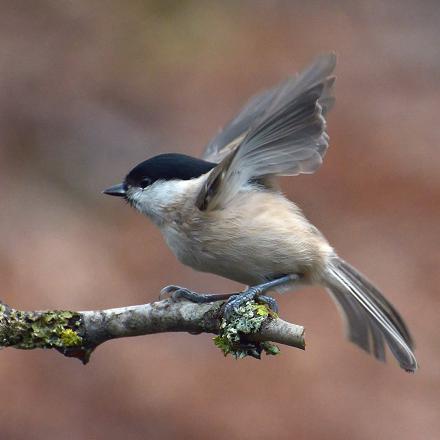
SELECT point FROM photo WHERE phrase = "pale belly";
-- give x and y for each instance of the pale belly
(251, 249)
(236, 267)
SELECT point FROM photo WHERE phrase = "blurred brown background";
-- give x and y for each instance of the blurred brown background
(88, 89)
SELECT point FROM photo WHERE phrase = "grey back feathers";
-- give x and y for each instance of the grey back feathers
(280, 132)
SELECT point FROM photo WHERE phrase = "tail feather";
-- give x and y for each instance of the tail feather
(361, 328)
(371, 319)
(392, 314)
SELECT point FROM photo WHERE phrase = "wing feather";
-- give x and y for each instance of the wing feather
(233, 133)
(280, 132)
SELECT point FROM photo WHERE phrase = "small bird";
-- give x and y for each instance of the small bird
(225, 214)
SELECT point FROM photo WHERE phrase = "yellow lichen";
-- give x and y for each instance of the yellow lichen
(70, 338)
(28, 330)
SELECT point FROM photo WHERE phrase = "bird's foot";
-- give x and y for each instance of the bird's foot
(251, 294)
(178, 293)
(256, 293)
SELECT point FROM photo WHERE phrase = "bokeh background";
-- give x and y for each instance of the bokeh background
(88, 89)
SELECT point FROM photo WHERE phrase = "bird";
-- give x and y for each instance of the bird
(224, 213)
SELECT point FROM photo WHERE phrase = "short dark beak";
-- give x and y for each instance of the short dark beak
(116, 190)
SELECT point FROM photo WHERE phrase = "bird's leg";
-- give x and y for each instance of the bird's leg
(235, 300)
(256, 293)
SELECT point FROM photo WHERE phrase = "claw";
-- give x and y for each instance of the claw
(177, 293)
(253, 293)
(269, 301)
(168, 290)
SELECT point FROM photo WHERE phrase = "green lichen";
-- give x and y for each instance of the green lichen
(28, 330)
(70, 338)
(245, 320)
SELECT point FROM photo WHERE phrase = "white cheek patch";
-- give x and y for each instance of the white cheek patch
(135, 198)
(154, 199)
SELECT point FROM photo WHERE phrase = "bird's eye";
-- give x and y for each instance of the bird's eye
(146, 181)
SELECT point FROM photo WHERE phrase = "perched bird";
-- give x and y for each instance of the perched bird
(224, 213)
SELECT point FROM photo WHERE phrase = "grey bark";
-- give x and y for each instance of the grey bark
(77, 334)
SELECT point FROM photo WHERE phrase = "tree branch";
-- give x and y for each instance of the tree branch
(77, 334)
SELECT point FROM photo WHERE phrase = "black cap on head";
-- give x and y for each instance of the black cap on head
(171, 166)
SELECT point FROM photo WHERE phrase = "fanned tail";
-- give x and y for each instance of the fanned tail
(371, 319)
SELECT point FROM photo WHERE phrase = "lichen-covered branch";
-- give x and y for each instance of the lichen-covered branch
(250, 331)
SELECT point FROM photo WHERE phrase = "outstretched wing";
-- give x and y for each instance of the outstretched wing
(280, 132)
(230, 136)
